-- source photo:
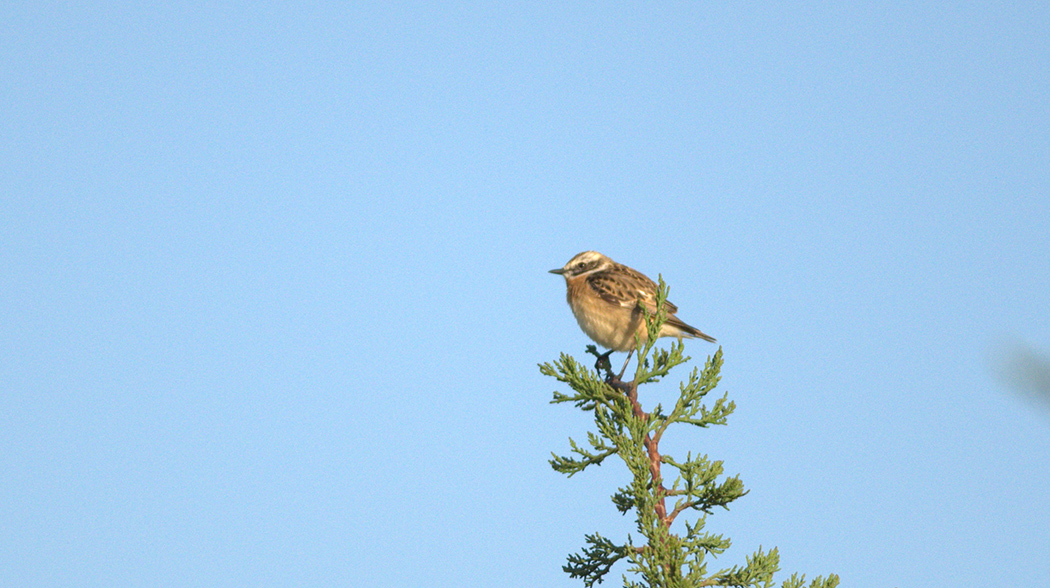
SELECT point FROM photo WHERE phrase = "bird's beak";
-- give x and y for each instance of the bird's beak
(558, 271)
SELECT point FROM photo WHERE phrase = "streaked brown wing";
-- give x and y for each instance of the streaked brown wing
(624, 286)
(607, 287)
(640, 286)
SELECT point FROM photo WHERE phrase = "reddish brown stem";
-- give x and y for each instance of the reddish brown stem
(651, 446)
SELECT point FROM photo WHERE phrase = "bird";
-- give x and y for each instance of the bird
(604, 297)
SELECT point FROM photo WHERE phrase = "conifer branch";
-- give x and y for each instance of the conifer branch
(626, 430)
(596, 560)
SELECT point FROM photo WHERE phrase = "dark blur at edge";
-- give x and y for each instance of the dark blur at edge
(1025, 371)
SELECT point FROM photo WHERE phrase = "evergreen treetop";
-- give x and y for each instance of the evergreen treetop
(662, 558)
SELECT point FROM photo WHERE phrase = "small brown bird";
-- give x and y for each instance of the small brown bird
(604, 298)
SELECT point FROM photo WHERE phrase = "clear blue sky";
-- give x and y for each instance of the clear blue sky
(273, 283)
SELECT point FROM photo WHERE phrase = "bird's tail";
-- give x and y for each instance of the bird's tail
(688, 330)
(697, 333)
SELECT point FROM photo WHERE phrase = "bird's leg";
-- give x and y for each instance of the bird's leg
(629, 354)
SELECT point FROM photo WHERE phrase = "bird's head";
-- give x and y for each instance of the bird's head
(583, 263)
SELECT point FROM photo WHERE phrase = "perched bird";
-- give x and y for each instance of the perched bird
(604, 298)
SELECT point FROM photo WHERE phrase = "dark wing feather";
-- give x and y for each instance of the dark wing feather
(624, 286)
(605, 287)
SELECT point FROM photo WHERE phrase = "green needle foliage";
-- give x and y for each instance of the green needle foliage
(662, 559)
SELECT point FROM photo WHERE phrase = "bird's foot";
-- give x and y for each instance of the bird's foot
(603, 363)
